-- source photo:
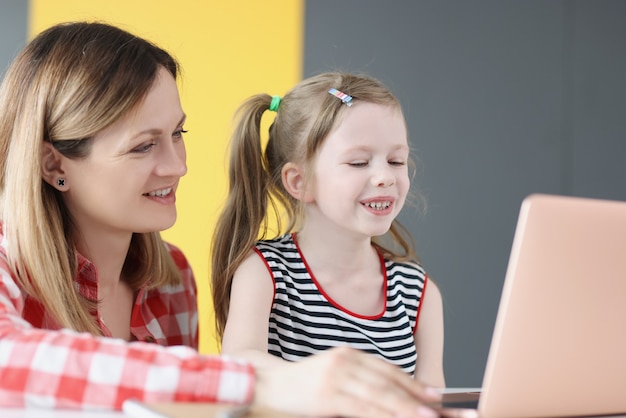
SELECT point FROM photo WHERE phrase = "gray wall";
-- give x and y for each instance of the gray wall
(502, 98)
(13, 30)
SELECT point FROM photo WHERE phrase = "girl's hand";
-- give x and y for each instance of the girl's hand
(343, 382)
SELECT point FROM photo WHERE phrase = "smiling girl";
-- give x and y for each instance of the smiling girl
(343, 271)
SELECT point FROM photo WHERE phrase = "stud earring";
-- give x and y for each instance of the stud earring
(61, 182)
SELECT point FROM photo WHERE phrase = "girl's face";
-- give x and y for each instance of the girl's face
(361, 176)
(128, 181)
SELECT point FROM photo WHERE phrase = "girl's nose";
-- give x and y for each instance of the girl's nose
(383, 178)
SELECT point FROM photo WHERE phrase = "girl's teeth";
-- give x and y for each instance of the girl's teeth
(379, 205)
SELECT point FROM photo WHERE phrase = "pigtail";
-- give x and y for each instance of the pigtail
(244, 213)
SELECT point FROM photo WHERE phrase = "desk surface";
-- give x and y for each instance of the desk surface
(172, 410)
(44, 413)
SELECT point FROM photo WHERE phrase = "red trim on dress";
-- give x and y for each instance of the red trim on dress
(419, 307)
(269, 270)
(337, 305)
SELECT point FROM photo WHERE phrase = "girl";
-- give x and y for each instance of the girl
(345, 272)
(94, 307)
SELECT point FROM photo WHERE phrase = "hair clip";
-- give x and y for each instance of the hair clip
(343, 96)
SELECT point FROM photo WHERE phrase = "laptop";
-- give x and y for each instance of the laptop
(559, 343)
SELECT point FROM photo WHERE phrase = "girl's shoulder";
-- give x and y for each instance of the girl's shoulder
(406, 265)
(285, 241)
(405, 270)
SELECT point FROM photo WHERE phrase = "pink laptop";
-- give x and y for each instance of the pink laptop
(559, 344)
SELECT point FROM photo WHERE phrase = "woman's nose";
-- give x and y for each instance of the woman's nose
(173, 160)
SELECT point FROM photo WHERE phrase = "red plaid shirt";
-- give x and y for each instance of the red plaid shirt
(43, 365)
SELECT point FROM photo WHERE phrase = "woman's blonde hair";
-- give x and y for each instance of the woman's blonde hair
(69, 83)
(305, 117)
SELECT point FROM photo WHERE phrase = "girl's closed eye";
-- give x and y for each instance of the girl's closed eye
(360, 163)
(397, 163)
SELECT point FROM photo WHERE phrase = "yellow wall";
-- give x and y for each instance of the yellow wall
(229, 50)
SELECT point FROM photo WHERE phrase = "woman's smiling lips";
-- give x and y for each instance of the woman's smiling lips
(164, 196)
(160, 193)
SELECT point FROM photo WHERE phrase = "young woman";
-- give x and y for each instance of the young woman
(344, 272)
(94, 307)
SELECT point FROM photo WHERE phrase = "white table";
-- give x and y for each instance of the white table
(64, 413)
(45, 413)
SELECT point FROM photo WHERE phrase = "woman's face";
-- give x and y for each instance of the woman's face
(128, 181)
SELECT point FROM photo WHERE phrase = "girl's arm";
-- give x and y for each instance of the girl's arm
(429, 338)
(251, 297)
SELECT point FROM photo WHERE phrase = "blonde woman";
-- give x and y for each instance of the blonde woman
(94, 307)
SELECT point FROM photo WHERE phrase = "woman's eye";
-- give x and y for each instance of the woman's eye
(144, 148)
(179, 133)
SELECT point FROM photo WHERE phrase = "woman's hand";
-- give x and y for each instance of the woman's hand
(343, 382)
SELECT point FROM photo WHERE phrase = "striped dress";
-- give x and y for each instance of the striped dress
(304, 320)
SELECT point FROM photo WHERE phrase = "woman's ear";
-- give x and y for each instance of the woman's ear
(295, 184)
(51, 167)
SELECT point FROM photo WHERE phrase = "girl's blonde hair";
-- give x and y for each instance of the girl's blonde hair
(305, 117)
(69, 83)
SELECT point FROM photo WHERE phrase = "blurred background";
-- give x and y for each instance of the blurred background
(503, 99)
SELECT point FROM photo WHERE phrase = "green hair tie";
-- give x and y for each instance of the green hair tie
(275, 103)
